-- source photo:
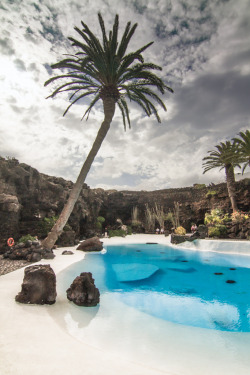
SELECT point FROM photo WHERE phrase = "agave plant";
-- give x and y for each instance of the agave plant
(104, 72)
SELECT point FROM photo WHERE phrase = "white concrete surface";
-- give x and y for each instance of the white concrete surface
(32, 341)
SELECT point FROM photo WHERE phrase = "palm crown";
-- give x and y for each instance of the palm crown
(226, 155)
(244, 148)
(104, 70)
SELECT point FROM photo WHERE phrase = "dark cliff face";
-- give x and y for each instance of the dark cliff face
(27, 197)
(194, 202)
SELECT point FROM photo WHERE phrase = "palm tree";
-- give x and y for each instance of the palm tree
(103, 71)
(244, 148)
(226, 156)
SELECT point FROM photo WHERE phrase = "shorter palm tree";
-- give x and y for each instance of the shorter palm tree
(225, 157)
(244, 148)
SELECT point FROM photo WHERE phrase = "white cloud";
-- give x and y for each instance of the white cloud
(204, 51)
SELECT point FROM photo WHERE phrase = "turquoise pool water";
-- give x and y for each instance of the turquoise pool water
(200, 289)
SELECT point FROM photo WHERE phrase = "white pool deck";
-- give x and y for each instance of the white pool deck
(32, 342)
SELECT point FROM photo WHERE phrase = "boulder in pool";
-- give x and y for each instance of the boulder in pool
(83, 291)
(91, 244)
(39, 285)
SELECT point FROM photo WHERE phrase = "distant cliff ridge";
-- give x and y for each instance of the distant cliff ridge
(27, 197)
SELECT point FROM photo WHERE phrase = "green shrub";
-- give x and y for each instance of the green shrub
(180, 231)
(217, 231)
(211, 193)
(214, 218)
(117, 233)
(99, 221)
(135, 223)
(227, 218)
(129, 230)
(26, 238)
(47, 224)
(199, 186)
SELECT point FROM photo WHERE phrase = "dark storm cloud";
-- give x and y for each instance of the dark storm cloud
(6, 47)
(215, 102)
(19, 64)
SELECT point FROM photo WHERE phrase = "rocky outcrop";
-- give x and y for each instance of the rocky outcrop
(9, 218)
(239, 230)
(91, 244)
(67, 252)
(39, 285)
(83, 291)
(32, 251)
(27, 197)
(177, 238)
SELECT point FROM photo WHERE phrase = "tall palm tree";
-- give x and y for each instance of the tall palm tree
(103, 71)
(244, 148)
(226, 156)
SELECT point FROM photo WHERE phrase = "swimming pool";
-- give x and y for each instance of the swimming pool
(175, 313)
(201, 289)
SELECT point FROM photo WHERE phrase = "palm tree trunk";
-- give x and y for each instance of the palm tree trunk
(109, 110)
(230, 178)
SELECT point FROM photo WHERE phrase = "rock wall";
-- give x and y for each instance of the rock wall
(27, 197)
(194, 202)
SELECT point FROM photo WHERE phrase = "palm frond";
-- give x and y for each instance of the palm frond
(94, 101)
(128, 33)
(226, 155)
(74, 101)
(103, 69)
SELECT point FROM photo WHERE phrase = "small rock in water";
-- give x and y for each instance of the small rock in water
(83, 291)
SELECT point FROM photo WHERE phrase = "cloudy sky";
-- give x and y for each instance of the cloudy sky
(203, 47)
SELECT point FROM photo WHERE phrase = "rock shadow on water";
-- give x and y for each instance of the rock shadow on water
(65, 310)
(183, 270)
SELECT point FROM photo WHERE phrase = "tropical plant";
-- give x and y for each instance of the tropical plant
(216, 216)
(211, 193)
(117, 233)
(225, 156)
(129, 230)
(244, 148)
(47, 224)
(149, 218)
(169, 217)
(218, 230)
(199, 186)
(239, 217)
(103, 71)
(174, 216)
(135, 222)
(159, 215)
(180, 231)
(99, 222)
(26, 238)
